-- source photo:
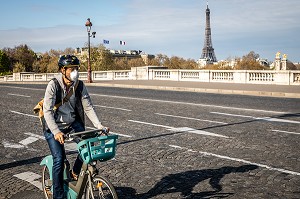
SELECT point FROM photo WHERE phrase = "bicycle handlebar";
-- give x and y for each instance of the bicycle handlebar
(100, 131)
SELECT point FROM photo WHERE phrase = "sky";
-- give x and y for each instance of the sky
(170, 27)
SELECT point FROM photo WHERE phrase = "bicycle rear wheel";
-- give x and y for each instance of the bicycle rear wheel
(46, 183)
(101, 188)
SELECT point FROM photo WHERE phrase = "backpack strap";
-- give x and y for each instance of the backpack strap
(67, 98)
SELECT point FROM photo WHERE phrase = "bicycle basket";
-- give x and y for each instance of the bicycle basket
(100, 148)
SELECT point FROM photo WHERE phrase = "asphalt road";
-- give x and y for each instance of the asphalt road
(171, 144)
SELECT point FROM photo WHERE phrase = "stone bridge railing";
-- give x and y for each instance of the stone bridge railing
(155, 73)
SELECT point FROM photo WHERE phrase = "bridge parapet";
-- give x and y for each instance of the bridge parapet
(291, 77)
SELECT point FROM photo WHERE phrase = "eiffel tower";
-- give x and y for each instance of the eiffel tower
(208, 53)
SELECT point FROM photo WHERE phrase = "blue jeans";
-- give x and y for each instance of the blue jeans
(59, 155)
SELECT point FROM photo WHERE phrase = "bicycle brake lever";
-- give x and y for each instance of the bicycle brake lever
(68, 137)
(105, 131)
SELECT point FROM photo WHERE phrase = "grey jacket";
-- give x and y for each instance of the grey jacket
(65, 115)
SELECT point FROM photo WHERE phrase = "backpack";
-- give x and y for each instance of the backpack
(38, 109)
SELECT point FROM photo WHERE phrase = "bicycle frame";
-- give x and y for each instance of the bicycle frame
(73, 189)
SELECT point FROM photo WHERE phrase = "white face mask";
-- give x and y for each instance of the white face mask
(74, 75)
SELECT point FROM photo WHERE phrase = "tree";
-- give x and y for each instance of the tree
(121, 64)
(47, 63)
(69, 51)
(248, 62)
(25, 56)
(19, 67)
(4, 63)
(101, 59)
(174, 62)
(21, 55)
(135, 63)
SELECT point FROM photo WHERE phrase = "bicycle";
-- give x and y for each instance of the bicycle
(93, 147)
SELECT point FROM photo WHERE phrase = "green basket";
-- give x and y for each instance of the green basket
(100, 148)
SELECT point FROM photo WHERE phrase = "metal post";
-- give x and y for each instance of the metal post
(88, 25)
(89, 74)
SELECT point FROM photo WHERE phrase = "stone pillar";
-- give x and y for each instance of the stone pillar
(284, 62)
(277, 61)
(278, 64)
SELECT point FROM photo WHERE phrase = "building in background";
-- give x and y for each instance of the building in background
(128, 54)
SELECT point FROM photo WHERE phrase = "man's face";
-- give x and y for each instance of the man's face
(67, 70)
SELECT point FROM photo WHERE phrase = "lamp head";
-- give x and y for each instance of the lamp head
(88, 25)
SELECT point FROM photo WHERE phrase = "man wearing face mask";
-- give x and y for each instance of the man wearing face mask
(68, 117)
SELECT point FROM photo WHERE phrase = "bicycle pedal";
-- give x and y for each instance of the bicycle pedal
(74, 177)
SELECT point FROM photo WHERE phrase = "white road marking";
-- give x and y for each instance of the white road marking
(35, 135)
(37, 89)
(270, 119)
(23, 114)
(7, 144)
(295, 133)
(23, 143)
(18, 95)
(238, 160)
(147, 123)
(233, 115)
(122, 109)
(279, 120)
(195, 131)
(31, 178)
(190, 118)
(188, 103)
(181, 129)
(28, 140)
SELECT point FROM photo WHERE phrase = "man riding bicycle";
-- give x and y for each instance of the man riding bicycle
(69, 116)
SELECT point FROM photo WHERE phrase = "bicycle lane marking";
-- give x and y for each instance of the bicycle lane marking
(237, 160)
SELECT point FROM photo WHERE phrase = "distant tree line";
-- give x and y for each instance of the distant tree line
(23, 59)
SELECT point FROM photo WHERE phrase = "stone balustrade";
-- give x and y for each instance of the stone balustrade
(291, 77)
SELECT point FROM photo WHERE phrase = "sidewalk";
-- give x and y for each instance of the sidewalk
(288, 91)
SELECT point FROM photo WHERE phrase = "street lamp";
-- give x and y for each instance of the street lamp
(88, 25)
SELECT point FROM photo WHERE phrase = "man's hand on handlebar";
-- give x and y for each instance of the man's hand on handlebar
(59, 137)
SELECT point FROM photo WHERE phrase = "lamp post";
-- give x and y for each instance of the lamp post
(88, 25)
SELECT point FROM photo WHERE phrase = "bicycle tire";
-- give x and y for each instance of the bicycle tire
(102, 188)
(45, 186)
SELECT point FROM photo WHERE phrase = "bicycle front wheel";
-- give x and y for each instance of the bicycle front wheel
(46, 183)
(101, 188)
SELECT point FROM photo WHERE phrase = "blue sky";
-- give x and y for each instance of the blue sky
(171, 27)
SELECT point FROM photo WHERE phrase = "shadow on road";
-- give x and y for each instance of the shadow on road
(38, 159)
(27, 161)
(184, 183)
